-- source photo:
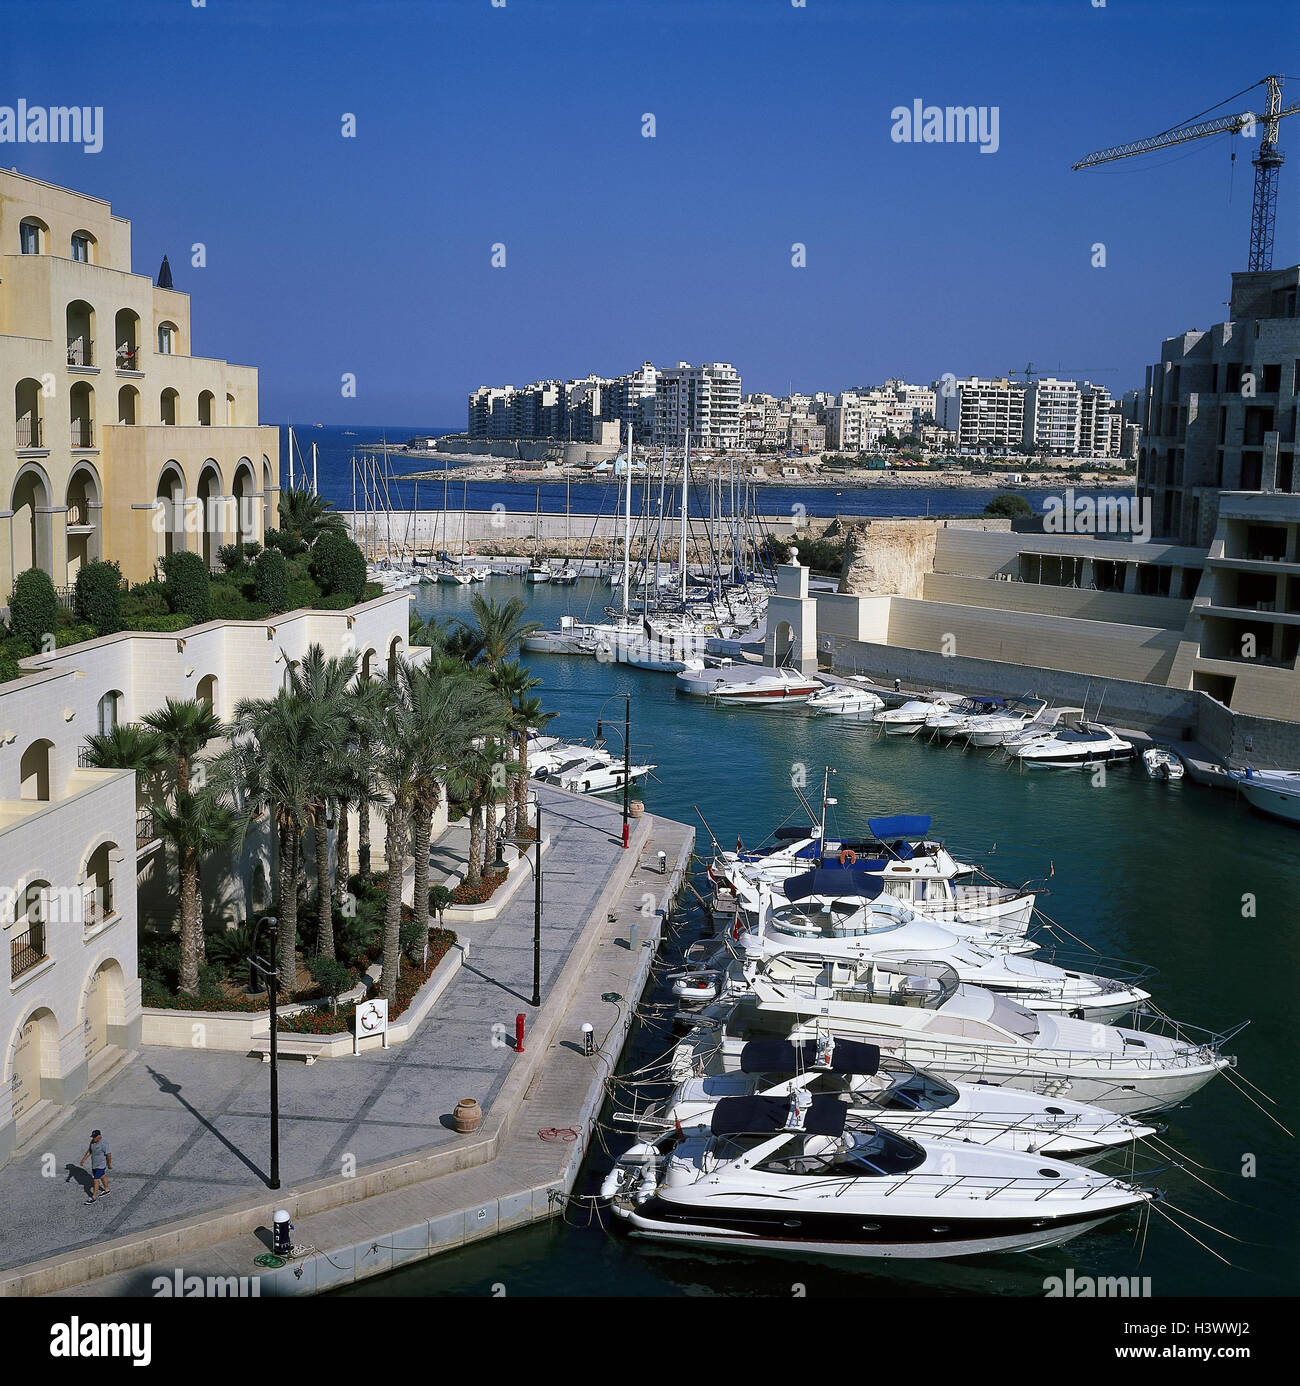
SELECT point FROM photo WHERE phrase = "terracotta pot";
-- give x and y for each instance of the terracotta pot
(635, 808)
(467, 1116)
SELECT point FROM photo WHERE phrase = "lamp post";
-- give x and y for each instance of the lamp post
(536, 863)
(627, 759)
(270, 970)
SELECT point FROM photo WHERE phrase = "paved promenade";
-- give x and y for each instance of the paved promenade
(189, 1130)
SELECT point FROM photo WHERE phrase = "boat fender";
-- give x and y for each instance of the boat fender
(848, 857)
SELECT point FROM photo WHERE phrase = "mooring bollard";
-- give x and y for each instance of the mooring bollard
(519, 1033)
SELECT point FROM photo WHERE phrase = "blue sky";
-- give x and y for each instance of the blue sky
(522, 125)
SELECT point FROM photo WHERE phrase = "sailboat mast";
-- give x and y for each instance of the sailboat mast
(627, 524)
(291, 457)
(686, 473)
(315, 488)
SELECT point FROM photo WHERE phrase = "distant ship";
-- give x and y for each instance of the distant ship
(349, 433)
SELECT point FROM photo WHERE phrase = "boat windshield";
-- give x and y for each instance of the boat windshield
(869, 1151)
(837, 919)
(1010, 1016)
(919, 1092)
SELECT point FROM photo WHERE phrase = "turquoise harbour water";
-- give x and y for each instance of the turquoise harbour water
(1142, 870)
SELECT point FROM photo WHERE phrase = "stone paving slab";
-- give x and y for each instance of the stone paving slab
(189, 1129)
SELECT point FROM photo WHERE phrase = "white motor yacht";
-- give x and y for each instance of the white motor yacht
(922, 1013)
(891, 1092)
(908, 718)
(994, 728)
(805, 1173)
(1275, 792)
(1077, 746)
(537, 573)
(765, 687)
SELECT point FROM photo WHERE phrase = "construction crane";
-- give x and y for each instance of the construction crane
(1267, 160)
(1029, 372)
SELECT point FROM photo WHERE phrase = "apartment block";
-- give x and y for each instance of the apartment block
(122, 444)
(1052, 417)
(701, 403)
(986, 415)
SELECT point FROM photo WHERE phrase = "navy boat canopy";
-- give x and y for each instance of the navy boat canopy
(837, 880)
(912, 825)
(989, 702)
(765, 1116)
(832, 863)
(793, 834)
(785, 1056)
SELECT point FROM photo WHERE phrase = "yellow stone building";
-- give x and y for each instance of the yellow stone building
(120, 443)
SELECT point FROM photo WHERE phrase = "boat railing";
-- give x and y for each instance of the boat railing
(982, 1058)
(1100, 965)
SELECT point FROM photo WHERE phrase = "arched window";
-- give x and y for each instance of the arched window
(230, 410)
(100, 899)
(110, 708)
(206, 400)
(31, 236)
(167, 336)
(167, 405)
(206, 692)
(128, 405)
(83, 247)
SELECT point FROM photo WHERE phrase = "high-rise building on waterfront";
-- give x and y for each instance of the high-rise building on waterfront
(1052, 416)
(702, 402)
(986, 415)
(121, 444)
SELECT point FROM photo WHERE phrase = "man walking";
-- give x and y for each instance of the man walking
(101, 1161)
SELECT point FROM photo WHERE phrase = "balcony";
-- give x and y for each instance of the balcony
(79, 520)
(128, 360)
(81, 353)
(28, 433)
(26, 951)
(145, 831)
(83, 433)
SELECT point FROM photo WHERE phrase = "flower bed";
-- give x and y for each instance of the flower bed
(466, 894)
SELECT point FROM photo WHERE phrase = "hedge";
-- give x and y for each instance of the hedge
(338, 565)
(271, 580)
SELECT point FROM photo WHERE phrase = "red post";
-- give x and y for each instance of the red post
(626, 834)
(519, 1033)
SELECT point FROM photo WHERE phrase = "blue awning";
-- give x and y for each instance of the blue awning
(765, 1116)
(786, 1056)
(912, 825)
(838, 880)
(874, 864)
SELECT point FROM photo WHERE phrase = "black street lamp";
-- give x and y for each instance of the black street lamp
(536, 863)
(627, 758)
(270, 970)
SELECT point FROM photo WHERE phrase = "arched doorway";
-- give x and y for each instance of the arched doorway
(128, 405)
(27, 414)
(206, 692)
(99, 885)
(169, 510)
(206, 401)
(394, 654)
(30, 528)
(81, 333)
(783, 645)
(28, 941)
(81, 415)
(34, 770)
(168, 403)
(126, 330)
(268, 512)
(369, 662)
(82, 524)
(104, 1005)
(35, 1056)
(243, 491)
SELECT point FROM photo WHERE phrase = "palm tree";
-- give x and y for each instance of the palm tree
(306, 516)
(131, 746)
(184, 727)
(514, 683)
(397, 767)
(272, 763)
(472, 780)
(194, 824)
(322, 685)
(497, 628)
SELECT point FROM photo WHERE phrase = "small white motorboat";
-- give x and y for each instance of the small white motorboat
(457, 577)
(1074, 747)
(1275, 792)
(908, 718)
(537, 573)
(1162, 763)
(845, 700)
(564, 577)
(764, 688)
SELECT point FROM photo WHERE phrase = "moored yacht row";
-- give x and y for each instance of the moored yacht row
(880, 1060)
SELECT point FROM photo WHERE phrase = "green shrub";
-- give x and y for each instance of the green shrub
(146, 599)
(9, 667)
(33, 608)
(340, 601)
(74, 635)
(303, 592)
(187, 585)
(232, 557)
(372, 590)
(271, 580)
(332, 977)
(288, 544)
(1009, 506)
(338, 565)
(177, 621)
(97, 598)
